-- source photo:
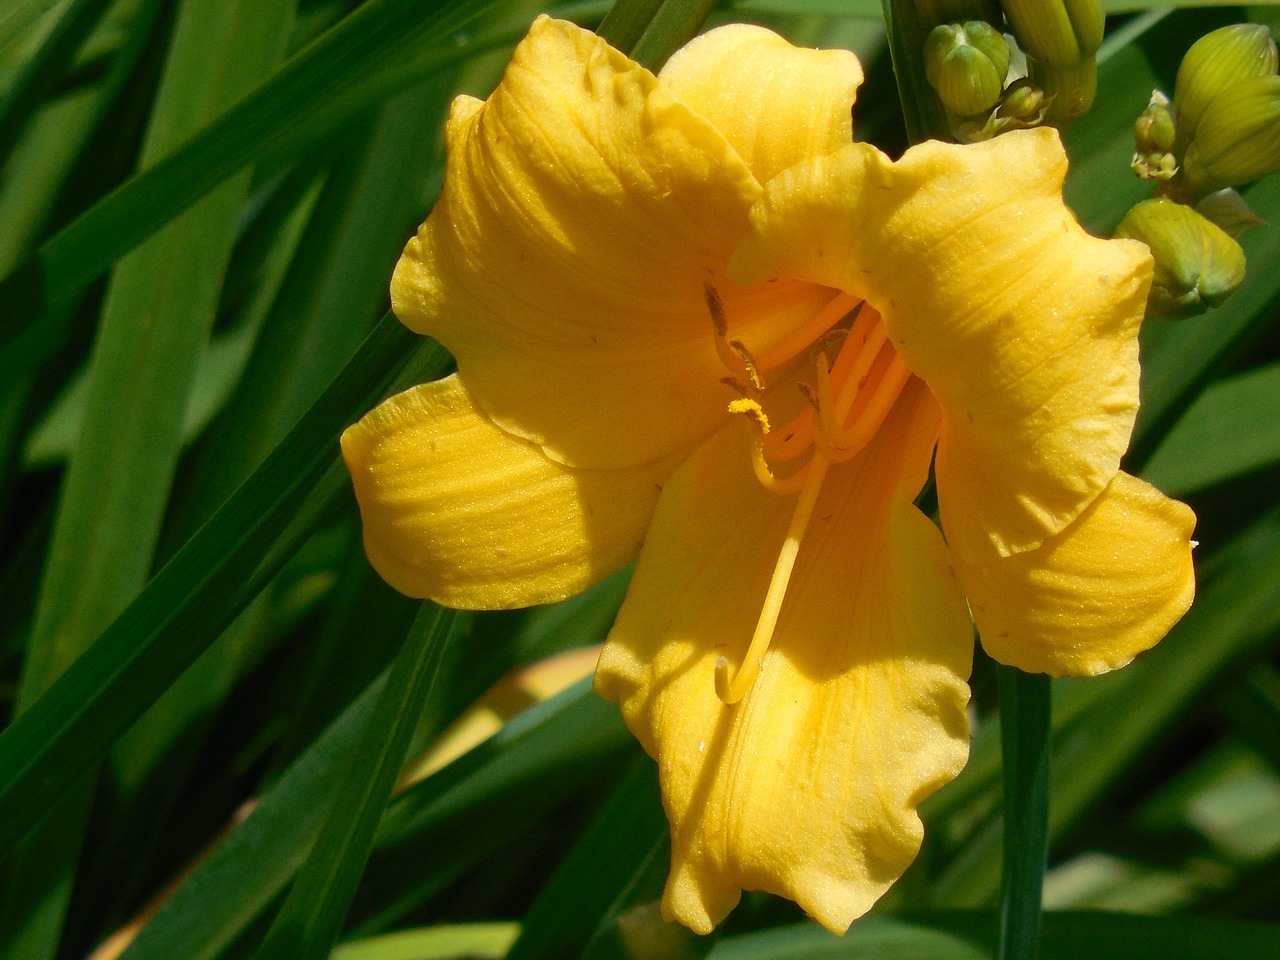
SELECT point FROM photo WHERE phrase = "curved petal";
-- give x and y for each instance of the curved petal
(807, 787)
(777, 104)
(457, 510)
(1094, 596)
(583, 210)
(1023, 326)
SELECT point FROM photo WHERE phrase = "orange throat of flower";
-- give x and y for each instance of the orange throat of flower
(848, 402)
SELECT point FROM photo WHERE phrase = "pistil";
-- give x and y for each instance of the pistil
(731, 689)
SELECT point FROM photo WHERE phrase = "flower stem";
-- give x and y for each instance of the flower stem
(1024, 735)
(921, 108)
(649, 31)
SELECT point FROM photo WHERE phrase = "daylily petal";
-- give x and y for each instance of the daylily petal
(458, 510)
(1023, 326)
(583, 210)
(777, 104)
(1094, 596)
(808, 787)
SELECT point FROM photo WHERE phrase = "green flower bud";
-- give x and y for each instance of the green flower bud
(1023, 101)
(1153, 130)
(966, 64)
(1216, 63)
(1197, 265)
(1058, 33)
(1022, 106)
(1153, 135)
(1238, 137)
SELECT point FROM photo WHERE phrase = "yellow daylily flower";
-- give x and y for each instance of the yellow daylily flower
(634, 273)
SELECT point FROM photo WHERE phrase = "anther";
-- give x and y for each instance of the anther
(759, 463)
(732, 353)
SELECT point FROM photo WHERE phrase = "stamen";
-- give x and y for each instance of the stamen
(731, 689)
(802, 336)
(759, 464)
(857, 354)
(793, 439)
(845, 444)
(732, 353)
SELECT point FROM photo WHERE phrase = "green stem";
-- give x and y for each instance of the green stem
(650, 31)
(1024, 737)
(921, 108)
(311, 918)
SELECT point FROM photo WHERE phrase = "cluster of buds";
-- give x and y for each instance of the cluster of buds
(1061, 40)
(1043, 70)
(1228, 101)
(1221, 131)
(1224, 130)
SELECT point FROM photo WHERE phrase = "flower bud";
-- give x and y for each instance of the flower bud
(1238, 137)
(1216, 63)
(1153, 130)
(1153, 135)
(1197, 265)
(1023, 101)
(1058, 33)
(966, 64)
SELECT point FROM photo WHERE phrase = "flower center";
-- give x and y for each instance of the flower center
(848, 402)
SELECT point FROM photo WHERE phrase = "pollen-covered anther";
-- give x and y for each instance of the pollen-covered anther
(732, 353)
(759, 449)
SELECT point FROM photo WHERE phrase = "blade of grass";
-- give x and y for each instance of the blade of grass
(1230, 430)
(333, 292)
(1024, 725)
(156, 318)
(317, 91)
(29, 191)
(45, 68)
(961, 935)
(487, 796)
(598, 871)
(195, 595)
(475, 941)
(309, 922)
(261, 853)
(1253, 707)
(147, 766)
(920, 105)
(21, 15)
